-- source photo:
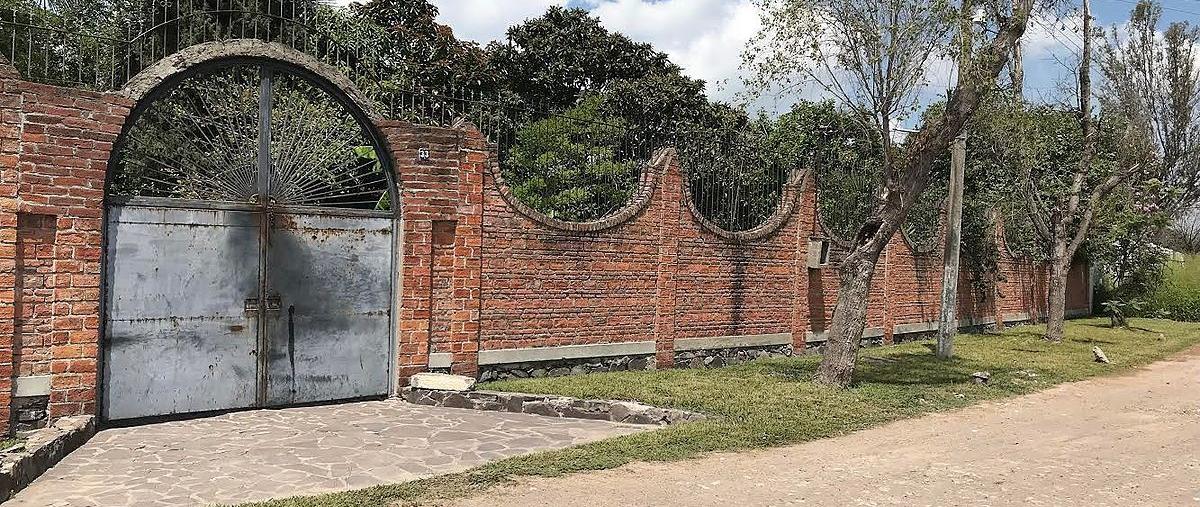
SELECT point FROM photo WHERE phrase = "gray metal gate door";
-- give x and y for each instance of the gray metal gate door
(330, 275)
(178, 339)
(249, 258)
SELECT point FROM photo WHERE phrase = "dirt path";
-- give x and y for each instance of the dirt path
(1129, 440)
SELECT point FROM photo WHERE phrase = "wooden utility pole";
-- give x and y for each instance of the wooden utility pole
(948, 325)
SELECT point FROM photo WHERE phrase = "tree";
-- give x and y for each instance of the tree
(1183, 235)
(555, 60)
(872, 55)
(419, 52)
(1064, 201)
(570, 166)
(1153, 78)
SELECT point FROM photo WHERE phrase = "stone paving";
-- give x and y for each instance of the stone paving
(266, 454)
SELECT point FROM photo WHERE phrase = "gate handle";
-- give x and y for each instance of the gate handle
(252, 305)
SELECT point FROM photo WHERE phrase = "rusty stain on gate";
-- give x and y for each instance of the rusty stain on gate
(250, 247)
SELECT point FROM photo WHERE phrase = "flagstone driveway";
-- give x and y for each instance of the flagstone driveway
(267, 454)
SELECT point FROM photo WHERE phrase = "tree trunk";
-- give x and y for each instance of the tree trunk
(849, 319)
(1056, 302)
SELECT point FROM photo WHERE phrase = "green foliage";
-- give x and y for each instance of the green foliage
(414, 50)
(1178, 296)
(555, 60)
(571, 166)
(773, 403)
(847, 160)
(1119, 311)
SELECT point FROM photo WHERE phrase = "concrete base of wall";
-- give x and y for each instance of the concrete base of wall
(43, 449)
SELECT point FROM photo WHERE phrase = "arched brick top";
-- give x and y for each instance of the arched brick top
(789, 201)
(150, 78)
(652, 175)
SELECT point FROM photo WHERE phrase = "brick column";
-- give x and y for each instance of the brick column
(805, 230)
(889, 289)
(415, 239)
(670, 205)
(465, 284)
(441, 198)
(10, 139)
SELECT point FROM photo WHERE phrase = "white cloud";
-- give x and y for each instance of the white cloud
(705, 37)
(487, 20)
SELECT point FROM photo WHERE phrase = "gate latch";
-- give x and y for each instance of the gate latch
(274, 304)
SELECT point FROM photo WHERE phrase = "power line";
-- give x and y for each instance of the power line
(1165, 8)
(1051, 32)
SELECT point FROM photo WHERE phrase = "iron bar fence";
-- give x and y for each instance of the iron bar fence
(574, 165)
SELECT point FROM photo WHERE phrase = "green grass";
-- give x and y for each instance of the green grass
(1179, 295)
(773, 403)
(7, 442)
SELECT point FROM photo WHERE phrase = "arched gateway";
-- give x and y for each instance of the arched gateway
(250, 245)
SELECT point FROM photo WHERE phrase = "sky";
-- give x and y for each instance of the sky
(707, 37)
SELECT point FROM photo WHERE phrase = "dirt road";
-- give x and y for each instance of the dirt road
(1127, 440)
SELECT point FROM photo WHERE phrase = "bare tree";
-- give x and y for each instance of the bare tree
(1153, 78)
(872, 56)
(1184, 234)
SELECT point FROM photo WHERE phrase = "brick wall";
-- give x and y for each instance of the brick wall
(662, 274)
(478, 271)
(56, 145)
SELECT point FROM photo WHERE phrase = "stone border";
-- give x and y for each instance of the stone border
(717, 358)
(627, 412)
(566, 367)
(43, 449)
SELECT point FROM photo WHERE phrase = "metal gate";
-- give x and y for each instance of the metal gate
(250, 247)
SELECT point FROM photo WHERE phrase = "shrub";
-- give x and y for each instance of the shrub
(1178, 297)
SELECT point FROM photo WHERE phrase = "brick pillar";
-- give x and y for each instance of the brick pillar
(805, 231)
(415, 231)
(670, 205)
(468, 256)
(10, 139)
(889, 289)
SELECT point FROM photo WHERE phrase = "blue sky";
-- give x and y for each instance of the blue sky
(706, 36)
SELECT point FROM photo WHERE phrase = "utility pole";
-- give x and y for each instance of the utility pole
(948, 325)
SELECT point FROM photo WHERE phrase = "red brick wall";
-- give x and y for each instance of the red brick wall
(477, 271)
(545, 285)
(56, 148)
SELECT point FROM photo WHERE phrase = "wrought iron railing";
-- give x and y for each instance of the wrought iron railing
(571, 166)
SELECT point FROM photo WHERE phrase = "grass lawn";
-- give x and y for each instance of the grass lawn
(773, 403)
